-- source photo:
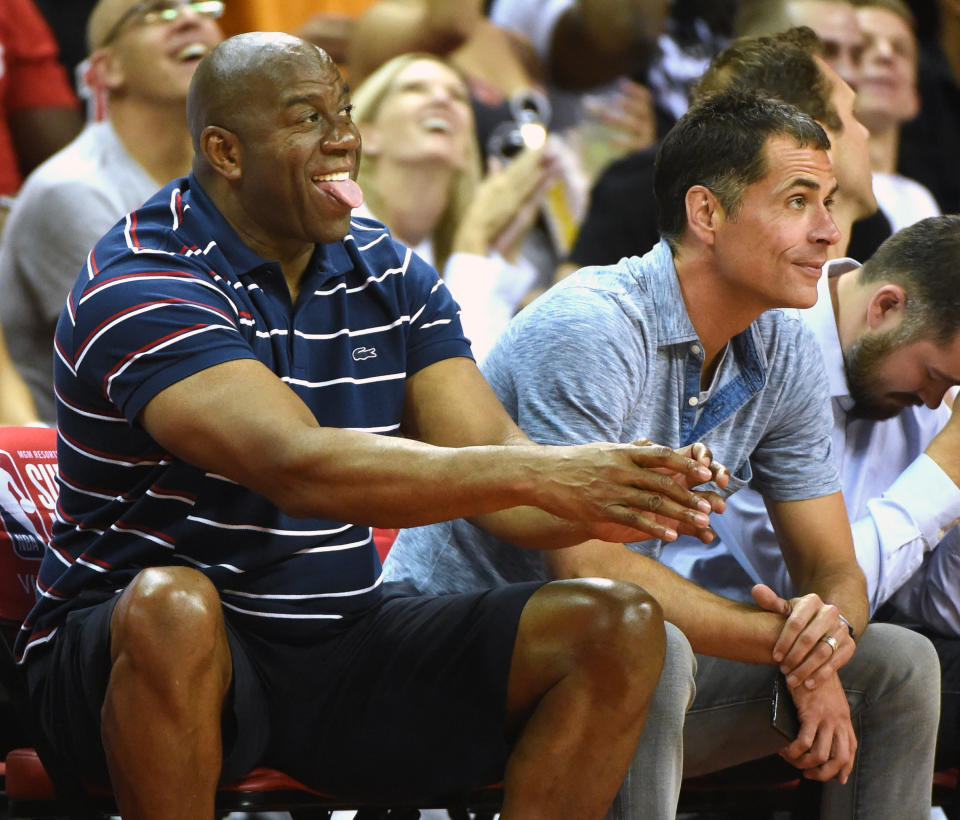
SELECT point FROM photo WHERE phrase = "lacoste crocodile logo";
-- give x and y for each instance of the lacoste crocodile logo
(361, 353)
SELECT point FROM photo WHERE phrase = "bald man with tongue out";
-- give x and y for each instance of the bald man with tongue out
(248, 380)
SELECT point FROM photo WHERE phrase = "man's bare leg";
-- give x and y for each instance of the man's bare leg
(161, 716)
(585, 664)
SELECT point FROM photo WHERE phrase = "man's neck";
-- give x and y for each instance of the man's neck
(155, 135)
(290, 253)
(717, 315)
(884, 145)
(833, 283)
(849, 306)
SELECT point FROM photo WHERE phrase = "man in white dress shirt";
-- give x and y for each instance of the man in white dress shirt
(890, 336)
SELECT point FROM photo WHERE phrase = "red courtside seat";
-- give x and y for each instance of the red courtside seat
(384, 540)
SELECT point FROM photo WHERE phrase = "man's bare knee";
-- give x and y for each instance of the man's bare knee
(609, 632)
(169, 611)
(621, 625)
(621, 611)
(598, 610)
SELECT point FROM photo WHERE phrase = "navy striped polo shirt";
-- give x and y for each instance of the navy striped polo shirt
(167, 292)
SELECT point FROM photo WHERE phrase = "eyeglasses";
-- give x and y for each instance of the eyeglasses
(149, 12)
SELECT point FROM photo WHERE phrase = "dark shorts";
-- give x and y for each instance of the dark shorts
(406, 699)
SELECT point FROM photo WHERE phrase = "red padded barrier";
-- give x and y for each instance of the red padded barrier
(384, 540)
(28, 496)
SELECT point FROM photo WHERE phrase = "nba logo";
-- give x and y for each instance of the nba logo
(28, 496)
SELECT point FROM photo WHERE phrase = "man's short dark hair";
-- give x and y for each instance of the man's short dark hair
(779, 65)
(924, 259)
(720, 144)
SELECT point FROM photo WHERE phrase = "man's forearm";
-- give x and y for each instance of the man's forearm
(817, 545)
(714, 625)
(844, 586)
(531, 528)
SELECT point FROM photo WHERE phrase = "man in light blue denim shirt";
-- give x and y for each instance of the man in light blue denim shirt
(682, 346)
(888, 332)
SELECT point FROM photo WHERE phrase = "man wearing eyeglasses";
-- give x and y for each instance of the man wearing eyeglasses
(142, 57)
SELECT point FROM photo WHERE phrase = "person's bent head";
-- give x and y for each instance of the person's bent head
(908, 350)
(275, 145)
(720, 144)
(148, 50)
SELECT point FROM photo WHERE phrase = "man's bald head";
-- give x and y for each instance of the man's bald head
(103, 18)
(240, 72)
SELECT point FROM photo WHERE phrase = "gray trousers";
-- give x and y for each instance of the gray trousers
(709, 713)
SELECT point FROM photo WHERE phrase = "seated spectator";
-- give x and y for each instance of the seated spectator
(886, 99)
(297, 378)
(889, 335)
(39, 113)
(498, 65)
(835, 22)
(622, 217)
(508, 81)
(928, 143)
(143, 62)
(420, 176)
(832, 20)
(506, 91)
(681, 346)
(16, 404)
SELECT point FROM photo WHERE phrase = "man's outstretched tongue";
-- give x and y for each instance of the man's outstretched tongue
(345, 190)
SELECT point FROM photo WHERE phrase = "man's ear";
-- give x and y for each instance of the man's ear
(703, 213)
(222, 150)
(886, 306)
(105, 72)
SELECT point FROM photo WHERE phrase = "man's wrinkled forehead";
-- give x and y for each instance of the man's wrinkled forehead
(276, 78)
(791, 164)
(308, 70)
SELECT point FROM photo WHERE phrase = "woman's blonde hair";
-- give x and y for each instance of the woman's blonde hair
(367, 100)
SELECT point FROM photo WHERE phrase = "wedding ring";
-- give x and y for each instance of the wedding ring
(830, 641)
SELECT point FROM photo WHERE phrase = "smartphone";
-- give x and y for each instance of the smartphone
(783, 711)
